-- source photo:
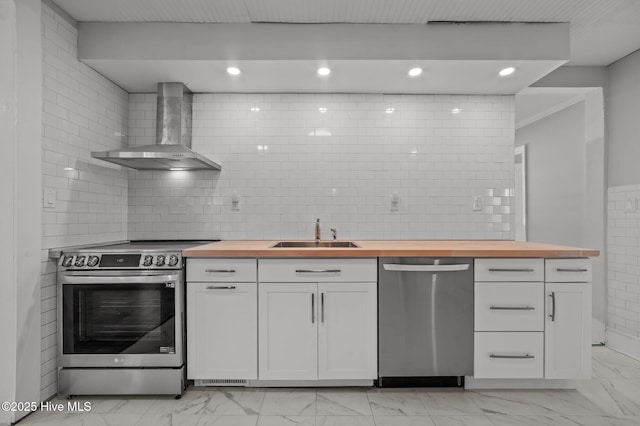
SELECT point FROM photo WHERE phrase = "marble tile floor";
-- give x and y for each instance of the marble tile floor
(611, 398)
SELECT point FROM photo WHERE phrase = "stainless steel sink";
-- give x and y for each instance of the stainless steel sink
(312, 244)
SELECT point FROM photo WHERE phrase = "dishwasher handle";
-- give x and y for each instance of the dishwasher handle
(425, 268)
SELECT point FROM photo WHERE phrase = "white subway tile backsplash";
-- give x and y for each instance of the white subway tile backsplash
(290, 163)
(623, 260)
(82, 111)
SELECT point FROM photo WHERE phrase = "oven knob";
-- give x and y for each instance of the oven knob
(160, 260)
(92, 261)
(80, 261)
(67, 261)
(148, 260)
(173, 260)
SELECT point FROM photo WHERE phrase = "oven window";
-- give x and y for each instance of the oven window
(119, 318)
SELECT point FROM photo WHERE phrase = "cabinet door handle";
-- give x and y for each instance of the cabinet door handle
(572, 270)
(228, 271)
(523, 356)
(510, 270)
(318, 271)
(512, 308)
(553, 306)
(322, 307)
(313, 308)
(221, 287)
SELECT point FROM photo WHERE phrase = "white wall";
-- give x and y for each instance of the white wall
(623, 326)
(624, 110)
(435, 160)
(20, 118)
(556, 175)
(8, 115)
(83, 112)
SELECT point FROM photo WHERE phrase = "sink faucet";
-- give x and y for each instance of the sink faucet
(317, 230)
(334, 233)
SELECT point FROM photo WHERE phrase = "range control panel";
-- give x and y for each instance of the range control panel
(94, 261)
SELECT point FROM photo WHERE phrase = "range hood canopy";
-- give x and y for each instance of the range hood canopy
(172, 150)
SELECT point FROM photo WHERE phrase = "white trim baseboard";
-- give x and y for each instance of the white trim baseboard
(471, 383)
(623, 343)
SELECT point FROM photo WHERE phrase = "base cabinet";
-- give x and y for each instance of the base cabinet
(317, 331)
(288, 331)
(222, 331)
(347, 333)
(568, 331)
(537, 323)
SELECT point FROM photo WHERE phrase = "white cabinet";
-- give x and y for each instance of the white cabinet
(347, 334)
(568, 331)
(508, 355)
(317, 331)
(512, 340)
(288, 331)
(320, 321)
(508, 311)
(222, 323)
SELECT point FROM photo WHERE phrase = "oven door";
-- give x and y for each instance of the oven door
(120, 319)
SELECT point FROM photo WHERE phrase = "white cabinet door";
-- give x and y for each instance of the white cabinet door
(222, 331)
(568, 331)
(347, 334)
(288, 314)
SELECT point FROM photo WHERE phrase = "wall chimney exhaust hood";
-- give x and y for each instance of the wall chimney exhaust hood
(172, 150)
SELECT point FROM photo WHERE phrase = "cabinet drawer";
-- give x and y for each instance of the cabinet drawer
(318, 270)
(222, 270)
(508, 355)
(509, 306)
(568, 270)
(509, 269)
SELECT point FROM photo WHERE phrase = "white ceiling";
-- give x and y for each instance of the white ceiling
(602, 31)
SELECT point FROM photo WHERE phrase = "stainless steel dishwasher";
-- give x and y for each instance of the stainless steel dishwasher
(425, 321)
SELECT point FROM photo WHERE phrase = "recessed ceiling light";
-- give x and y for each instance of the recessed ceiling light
(324, 71)
(323, 109)
(390, 110)
(233, 70)
(455, 111)
(414, 72)
(506, 71)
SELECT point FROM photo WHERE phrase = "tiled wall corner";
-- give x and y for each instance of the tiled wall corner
(82, 112)
(623, 260)
(292, 158)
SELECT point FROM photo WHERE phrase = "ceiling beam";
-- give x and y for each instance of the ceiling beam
(444, 41)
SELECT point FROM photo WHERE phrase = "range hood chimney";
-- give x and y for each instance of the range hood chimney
(172, 150)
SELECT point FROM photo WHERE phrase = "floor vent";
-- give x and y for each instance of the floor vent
(220, 382)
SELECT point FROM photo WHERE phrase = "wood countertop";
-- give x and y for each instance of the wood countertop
(392, 248)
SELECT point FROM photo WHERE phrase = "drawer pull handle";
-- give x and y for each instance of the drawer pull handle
(525, 356)
(401, 267)
(510, 270)
(228, 271)
(318, 271)
(512, 308)
(221, 287)
(572, 270)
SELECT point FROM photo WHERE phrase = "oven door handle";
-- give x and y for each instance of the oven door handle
(118, 279)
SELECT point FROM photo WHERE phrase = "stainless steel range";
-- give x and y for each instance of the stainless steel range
(121, 318)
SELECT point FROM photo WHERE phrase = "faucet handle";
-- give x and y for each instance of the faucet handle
(334, 232)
